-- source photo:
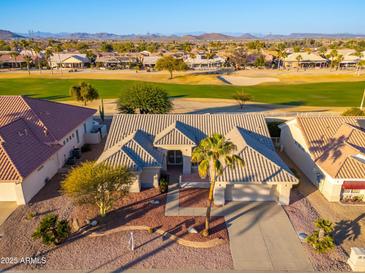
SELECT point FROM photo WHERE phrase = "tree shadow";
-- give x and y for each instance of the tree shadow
(348, 230)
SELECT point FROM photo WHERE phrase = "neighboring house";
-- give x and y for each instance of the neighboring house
(69, 60)
(151, 144)
(115, 61)
(150, 61)
(200, 62)
(8, 61)
(306, 60)
(330, 150)
(36, 138)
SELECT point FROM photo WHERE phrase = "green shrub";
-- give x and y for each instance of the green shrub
(164, 185)
(31, 215)
(51, 230)
(321, 239)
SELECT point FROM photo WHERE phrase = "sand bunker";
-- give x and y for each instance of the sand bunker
(247, 81)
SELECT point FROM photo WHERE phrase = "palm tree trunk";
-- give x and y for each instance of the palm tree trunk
(209, 207)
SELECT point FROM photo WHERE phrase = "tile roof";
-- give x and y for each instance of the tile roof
(176, 133)
(334, 142)
(30, 131)
(248, 131)
(262, 165)
(135, 152)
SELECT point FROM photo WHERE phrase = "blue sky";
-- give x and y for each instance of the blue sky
(181, 16)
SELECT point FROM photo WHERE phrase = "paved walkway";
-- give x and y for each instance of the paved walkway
(261, 235)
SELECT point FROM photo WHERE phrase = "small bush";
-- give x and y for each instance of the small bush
(164, 185)
(321, 239)
(357, 198)
(150, 230)
(51, 230)
(85, 148)
(31, 215)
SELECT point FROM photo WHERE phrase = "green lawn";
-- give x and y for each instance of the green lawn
(317, 94)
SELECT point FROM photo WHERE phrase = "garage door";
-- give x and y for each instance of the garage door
(249, 192)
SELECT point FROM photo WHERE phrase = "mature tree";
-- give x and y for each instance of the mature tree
(14, 54)
(259, 61)
(37, 50)
(238, 58)
(58, 49)
(48, 55)
(171, 64)
(280, 53)
(28, 60)
(106, 47)
(299, 58)
(84, 92)
(98, 184)
(241, 97)
(213, 155)
(145, 99)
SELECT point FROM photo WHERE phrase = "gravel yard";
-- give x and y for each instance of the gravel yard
(302, 216)
(110, 253)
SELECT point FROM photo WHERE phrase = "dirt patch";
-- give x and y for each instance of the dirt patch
(193, 197)
(302, 216)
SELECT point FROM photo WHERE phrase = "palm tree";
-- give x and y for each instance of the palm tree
(48, 54)
(299, 58)
(37, 51)
(359, 66)
(212, 154)
(28, 60)
(14, 55)
(58, 49)
(281, 53)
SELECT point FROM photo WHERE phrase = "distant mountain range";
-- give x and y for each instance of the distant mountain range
(197, 36)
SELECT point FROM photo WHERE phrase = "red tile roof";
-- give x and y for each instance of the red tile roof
(31, 130)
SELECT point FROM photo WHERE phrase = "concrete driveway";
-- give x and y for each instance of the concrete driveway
(6, 208)
(263, 239)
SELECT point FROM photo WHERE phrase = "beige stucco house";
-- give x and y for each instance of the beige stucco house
(69, 60)
(36, 138)
(151, 144)
(330, 150)
(305, 60)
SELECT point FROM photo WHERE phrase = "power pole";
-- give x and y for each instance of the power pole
(362, 101)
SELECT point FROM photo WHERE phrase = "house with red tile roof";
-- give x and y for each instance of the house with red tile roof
(36, 139)
(330, 150)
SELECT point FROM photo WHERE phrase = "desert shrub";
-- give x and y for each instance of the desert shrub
(98, 184)
(321, 239)
(164, 185)
(51, 230)
(31, 215)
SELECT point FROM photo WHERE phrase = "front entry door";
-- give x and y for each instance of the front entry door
(174, 157)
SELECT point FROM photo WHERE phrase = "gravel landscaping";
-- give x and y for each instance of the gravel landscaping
(302, 216)
(111, 253)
